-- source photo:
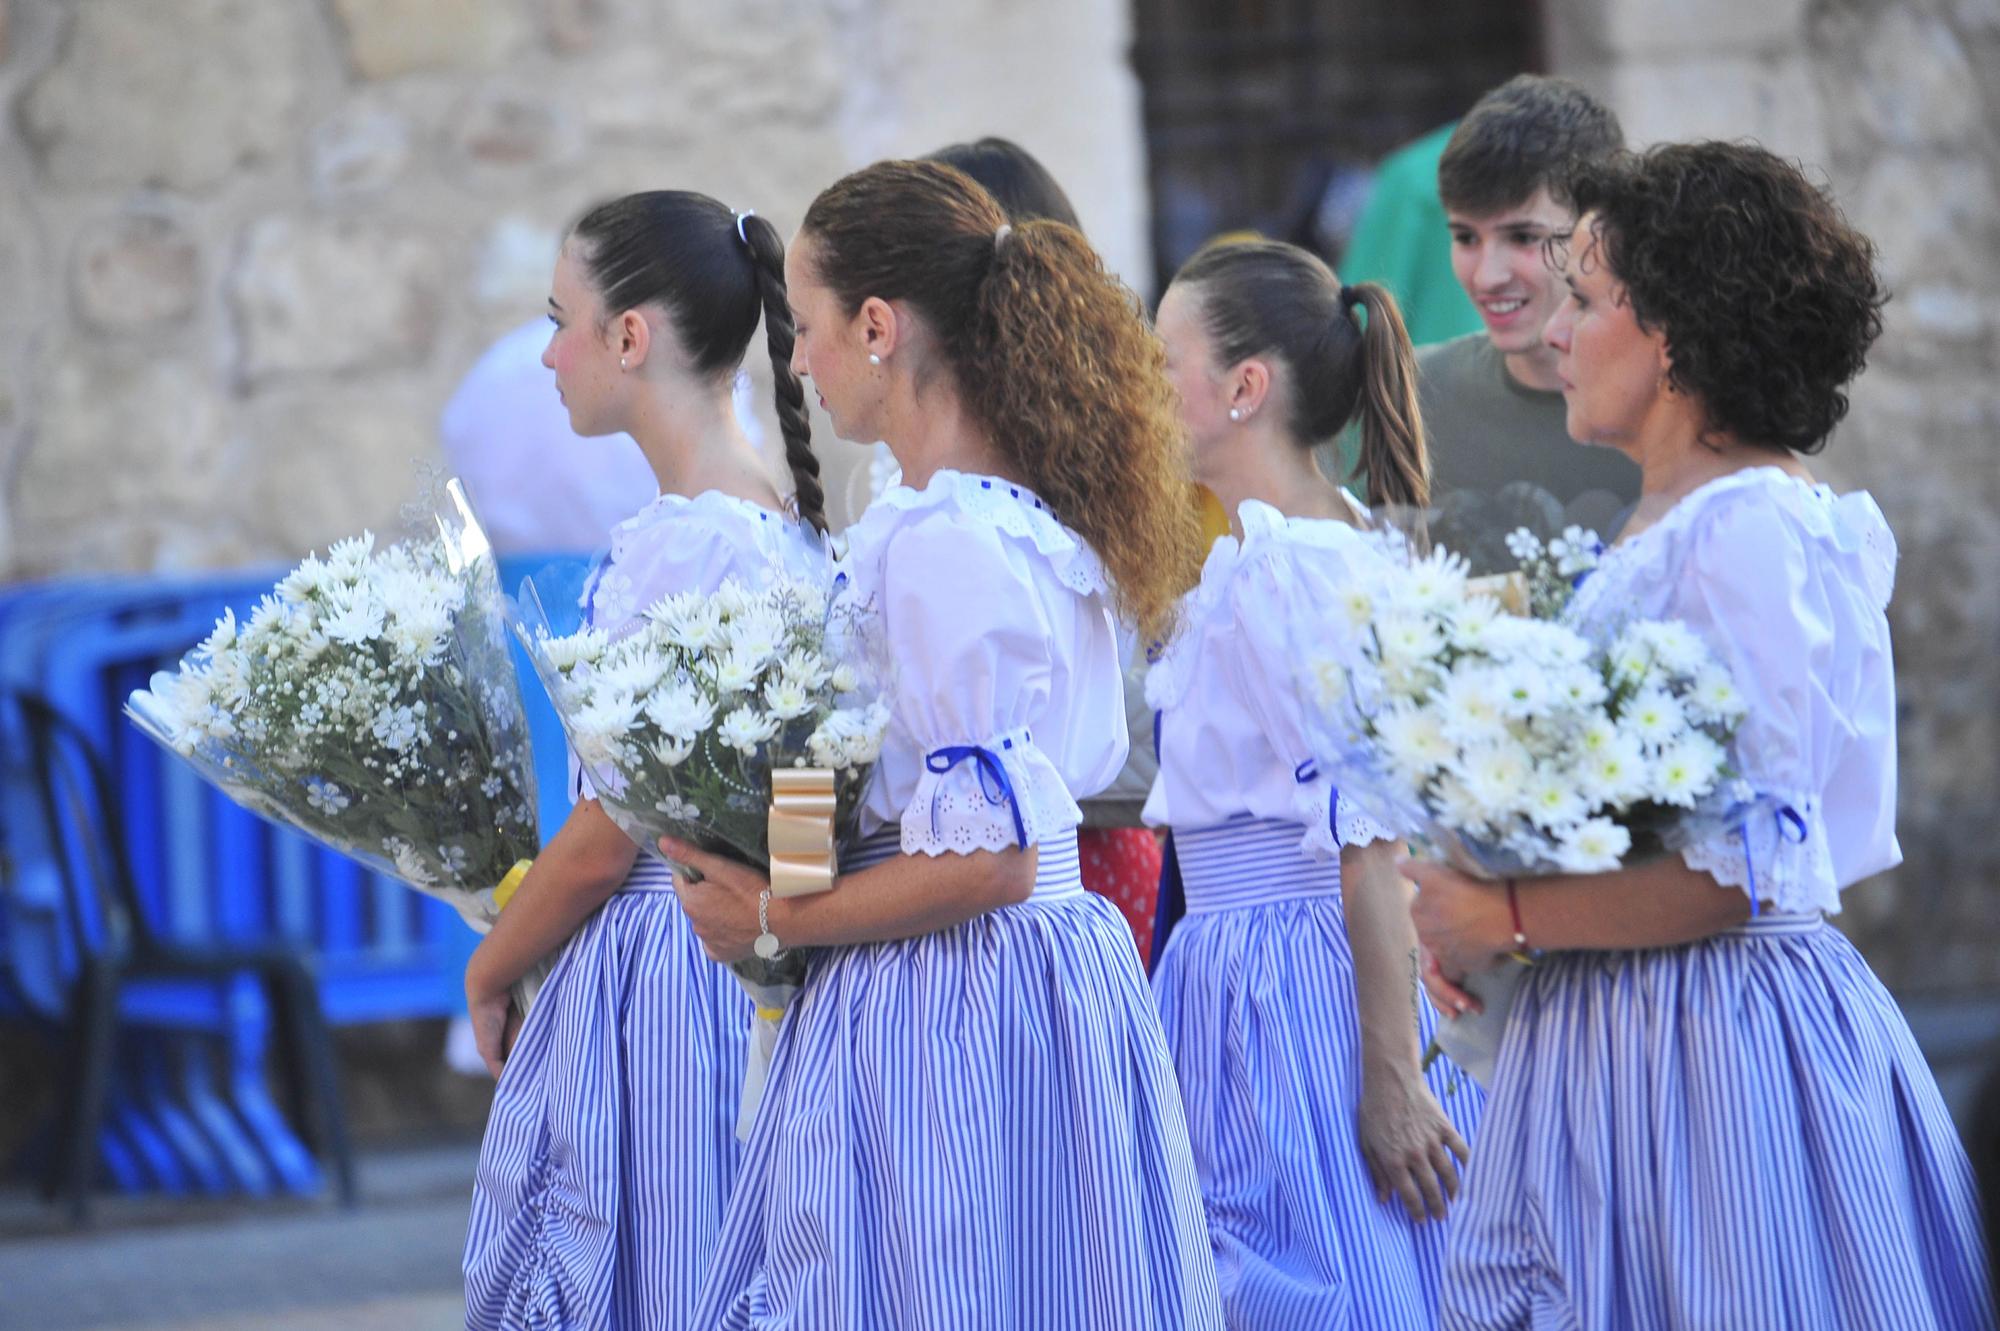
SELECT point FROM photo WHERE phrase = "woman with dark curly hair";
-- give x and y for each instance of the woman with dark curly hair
(1707, 1110)
(971, 1117)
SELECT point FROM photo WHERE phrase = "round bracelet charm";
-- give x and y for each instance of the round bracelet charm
(767, 945)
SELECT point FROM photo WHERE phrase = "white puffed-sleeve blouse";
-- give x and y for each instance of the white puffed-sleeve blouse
(1788, 584)
(1006, 698)
(680, 544)
(1228, 690)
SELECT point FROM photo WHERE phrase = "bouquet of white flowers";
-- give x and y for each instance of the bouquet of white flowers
(744, 722)
(371, 702)
(1515, 745)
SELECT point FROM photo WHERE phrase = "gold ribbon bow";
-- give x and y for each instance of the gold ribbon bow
(801, 830)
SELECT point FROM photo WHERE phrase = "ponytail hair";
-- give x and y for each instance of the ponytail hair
(1051, 356)
(1345, 352)
(1393, 455)
(713, 275)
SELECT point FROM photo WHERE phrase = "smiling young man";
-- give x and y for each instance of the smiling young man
(1492, 405)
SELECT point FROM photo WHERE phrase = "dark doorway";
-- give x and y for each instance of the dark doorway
(1266, 114)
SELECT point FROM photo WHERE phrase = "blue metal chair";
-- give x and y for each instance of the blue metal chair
(120, 949)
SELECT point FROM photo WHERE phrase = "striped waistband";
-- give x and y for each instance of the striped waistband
(1057, 870)
(1249, 862)
(1779, 922)
(649, 873)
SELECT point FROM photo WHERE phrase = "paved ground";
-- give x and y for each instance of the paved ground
(391, 1264)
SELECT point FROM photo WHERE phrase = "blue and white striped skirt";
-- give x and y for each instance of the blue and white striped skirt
(1256, 992)
(1738, 1133)
(611, 1150)
(975, 1128)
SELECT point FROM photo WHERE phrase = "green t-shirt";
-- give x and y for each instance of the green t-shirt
(1488, 433)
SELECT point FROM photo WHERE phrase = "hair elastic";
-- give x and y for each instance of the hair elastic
(741, 218)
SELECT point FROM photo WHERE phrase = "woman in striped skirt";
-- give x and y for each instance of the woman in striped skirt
(1288, 992)
(971, 1119)
(1707, 1112)
(611, 1148)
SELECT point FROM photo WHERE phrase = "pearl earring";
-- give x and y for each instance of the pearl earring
(874, 359)
(621, 362)
(1235, 415)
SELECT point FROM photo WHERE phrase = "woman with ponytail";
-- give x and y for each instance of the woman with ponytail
(611, 1149)
(1288, 992)
(971, 1118)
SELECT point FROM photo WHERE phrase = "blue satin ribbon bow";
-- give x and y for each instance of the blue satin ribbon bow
(993, 782)
(1306, 773)
(1791, 827)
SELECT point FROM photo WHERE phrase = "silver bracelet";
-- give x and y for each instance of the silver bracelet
(767, 945)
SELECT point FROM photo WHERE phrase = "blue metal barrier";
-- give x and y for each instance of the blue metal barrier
(190, 1110)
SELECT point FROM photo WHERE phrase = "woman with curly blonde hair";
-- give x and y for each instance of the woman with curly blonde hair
(971, 1117)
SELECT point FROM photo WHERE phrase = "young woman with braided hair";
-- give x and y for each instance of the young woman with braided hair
(971, 1118)
(611, 1149)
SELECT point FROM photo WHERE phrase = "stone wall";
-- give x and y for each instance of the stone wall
(249, 246)
(1896, 103)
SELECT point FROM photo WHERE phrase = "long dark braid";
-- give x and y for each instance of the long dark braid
(767, 252)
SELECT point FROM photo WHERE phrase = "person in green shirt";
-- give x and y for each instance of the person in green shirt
(1492, 403)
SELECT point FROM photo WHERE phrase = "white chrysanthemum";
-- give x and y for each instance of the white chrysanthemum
(787, 698)
(680, 710)
(1654, 718)
(736, 673)
(1357, 606)
(1715, 698)
(1412, 740)
(1686, 770)
(745, 728)
(671, 750)
(1614, 773)
(1674, 646)
(696, 625)
(1523, 690)
(1472, 623)
(807, 668)
(1577, 689)
(348, 559)
(1631, 660)
(1495, 778)
(1596, 845)
(631, 668)
(1435, 581)
(567, 653)
(600, 726)
(1456, 808)
(1552, 799)
(1407, 639)
(732, 598)
(352, 617)
(311, 580)
(325, 796)
(757, 635)
(221, 639)
(844, 679)
(1472, 707)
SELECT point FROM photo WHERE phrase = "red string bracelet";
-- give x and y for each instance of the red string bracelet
(1514, 909)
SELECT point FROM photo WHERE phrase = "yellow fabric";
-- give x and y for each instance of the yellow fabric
(508, 885)
(1214, 521)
